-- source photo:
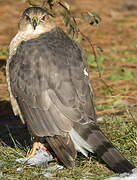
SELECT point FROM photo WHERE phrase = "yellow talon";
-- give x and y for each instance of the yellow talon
(36, 145)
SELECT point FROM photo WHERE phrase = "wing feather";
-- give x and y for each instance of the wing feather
(47, 78)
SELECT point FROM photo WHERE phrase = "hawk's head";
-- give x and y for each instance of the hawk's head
(35, 20)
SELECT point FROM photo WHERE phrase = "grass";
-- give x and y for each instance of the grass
(121, 131)
(4, 52)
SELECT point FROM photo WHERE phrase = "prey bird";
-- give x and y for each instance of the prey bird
(49, 86)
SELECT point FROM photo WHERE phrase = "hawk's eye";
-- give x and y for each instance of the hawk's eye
(43, 18)
(27, 17)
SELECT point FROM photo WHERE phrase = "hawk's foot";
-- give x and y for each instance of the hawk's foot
(36, 145)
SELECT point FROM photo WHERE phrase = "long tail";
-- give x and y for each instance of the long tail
(90, 138)
(64, 149)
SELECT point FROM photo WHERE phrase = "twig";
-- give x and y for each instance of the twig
(94, 53)
(63, 6)
(44, 2)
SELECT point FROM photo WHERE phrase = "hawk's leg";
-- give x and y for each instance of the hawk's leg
(36, 145)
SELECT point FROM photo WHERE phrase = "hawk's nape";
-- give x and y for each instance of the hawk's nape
(48, 80)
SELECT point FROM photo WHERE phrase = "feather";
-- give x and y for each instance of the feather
(64, 149)
(95, 141)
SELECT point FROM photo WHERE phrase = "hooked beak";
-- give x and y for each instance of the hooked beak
(34, 22)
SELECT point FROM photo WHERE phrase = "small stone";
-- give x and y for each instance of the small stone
(34, 173)
(19, 169)
(99, 119)
(47, 175)
(53, 168)
(1, 175)
(1, 163)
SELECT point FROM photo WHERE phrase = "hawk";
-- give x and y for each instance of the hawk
(50, 90)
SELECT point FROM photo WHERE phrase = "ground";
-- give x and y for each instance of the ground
(116, 90)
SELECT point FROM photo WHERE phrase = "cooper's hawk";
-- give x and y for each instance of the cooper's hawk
(48, 81)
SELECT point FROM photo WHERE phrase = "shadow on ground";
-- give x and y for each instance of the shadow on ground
(12, 131)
